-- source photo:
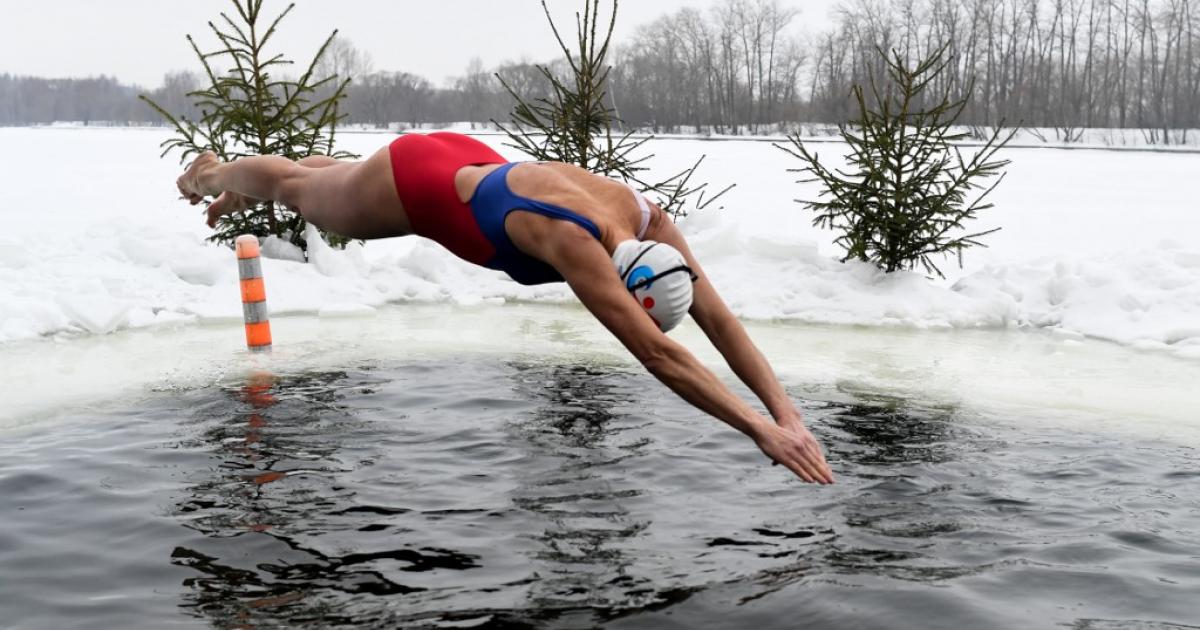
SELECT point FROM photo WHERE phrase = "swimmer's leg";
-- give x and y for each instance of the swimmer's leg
(319, 161)
(329, 193)
(229, 202)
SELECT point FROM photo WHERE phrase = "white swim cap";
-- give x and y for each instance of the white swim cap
(658, 277)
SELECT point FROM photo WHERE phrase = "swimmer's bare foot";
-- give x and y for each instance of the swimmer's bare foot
(189, 183)
(226, 203)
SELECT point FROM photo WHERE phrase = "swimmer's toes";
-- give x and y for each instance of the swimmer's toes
(226, 203)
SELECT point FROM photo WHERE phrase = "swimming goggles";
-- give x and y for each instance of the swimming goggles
(645, 282)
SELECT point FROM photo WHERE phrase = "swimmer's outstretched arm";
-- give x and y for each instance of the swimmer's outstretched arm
(588, 269)
(728, 335)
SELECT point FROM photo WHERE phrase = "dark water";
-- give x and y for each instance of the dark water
(489, 494)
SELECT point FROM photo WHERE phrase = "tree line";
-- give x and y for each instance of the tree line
(1058, 64)
(746, 66)
(31, 100)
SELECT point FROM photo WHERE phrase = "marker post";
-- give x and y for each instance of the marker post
(254, 294)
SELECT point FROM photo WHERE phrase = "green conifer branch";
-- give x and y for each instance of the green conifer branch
(247, 111)
(906, 188)
(573, 123)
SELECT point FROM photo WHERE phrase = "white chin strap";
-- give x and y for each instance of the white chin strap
(641, 201)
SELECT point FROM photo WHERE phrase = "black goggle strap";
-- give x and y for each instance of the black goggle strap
(648, 281)
(633, 265)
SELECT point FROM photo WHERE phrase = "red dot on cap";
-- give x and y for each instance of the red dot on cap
(648, 302)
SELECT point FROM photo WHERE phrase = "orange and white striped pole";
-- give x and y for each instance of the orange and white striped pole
(254, 294)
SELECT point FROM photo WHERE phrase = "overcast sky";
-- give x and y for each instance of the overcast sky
(138, 41)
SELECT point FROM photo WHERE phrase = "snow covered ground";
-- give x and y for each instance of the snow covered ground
(1094, 243)
(107, 287)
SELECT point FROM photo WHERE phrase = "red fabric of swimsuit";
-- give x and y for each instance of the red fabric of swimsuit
(423, 167)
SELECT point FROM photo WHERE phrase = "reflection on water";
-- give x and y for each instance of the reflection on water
(281, 444)
(260, 434)
(560, 494)
(580, 495)
(274, 430)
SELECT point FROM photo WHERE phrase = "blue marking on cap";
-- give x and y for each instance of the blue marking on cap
(637, 275)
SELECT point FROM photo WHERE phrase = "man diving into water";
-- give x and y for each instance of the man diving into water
(538, 222)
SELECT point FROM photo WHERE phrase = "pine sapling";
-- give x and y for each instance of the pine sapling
(907, 192)
(575, 122)
(253, 109)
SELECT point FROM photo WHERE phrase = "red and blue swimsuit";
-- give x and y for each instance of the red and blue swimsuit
(424, 167)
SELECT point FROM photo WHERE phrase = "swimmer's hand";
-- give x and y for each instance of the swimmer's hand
(795, 447)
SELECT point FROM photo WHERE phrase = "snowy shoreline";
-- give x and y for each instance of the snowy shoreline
(1084, 250)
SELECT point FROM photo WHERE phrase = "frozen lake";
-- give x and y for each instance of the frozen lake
(508, 467)
(1014, 445)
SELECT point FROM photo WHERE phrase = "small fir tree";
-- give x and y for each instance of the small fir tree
(249, 109)
(575, 122)
(907, 191)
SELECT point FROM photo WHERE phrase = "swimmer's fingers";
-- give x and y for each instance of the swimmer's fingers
(815, 462)
(809, 472)
(813, 457)
(798, 451)
(225, 203)
(817, 459)
(801, 472)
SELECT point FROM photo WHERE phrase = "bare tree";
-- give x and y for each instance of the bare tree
(737, 67)
(475, 86)
(344, 59)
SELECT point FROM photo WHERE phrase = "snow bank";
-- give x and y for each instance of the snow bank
(1148, 298)
(141, 278)
(97, 260)
(105, 280)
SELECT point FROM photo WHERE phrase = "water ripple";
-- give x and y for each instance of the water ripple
(534, 493)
